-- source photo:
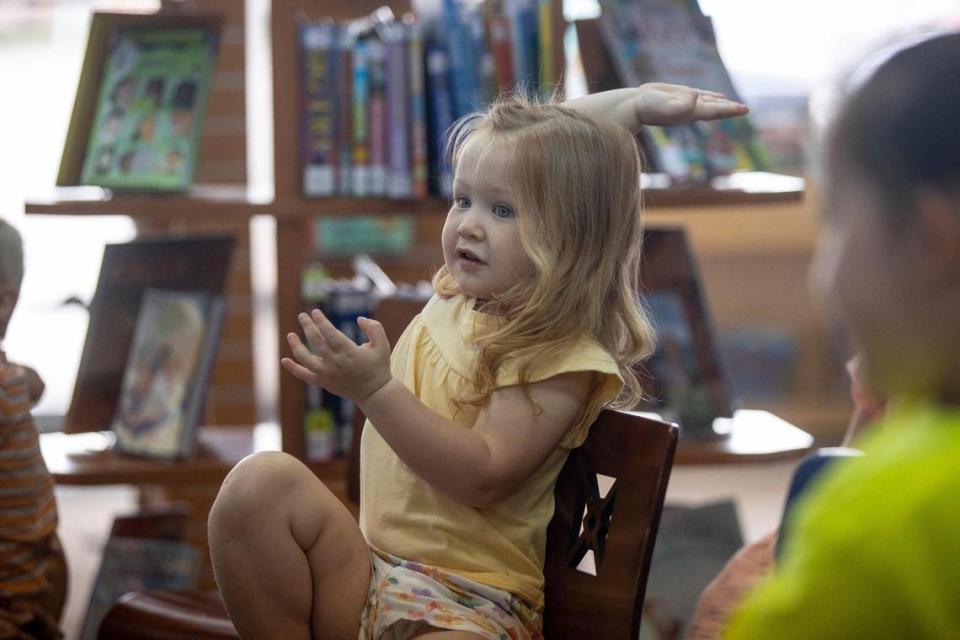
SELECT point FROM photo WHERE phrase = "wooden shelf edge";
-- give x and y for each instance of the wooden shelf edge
(219, 202)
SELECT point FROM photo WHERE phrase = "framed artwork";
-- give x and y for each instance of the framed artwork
(172, 263)
(683, 380)
(168, 368)
(141, 101)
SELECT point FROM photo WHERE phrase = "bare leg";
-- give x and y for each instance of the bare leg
(289, 558)
(445, 634)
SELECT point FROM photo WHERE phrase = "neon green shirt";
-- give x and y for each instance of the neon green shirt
(875, 552)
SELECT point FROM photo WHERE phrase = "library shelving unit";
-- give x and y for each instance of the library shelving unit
(759, 222)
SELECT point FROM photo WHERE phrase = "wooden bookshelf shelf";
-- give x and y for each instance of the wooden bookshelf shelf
(202, 202)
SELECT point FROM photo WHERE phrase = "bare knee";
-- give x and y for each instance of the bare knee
(256, 491)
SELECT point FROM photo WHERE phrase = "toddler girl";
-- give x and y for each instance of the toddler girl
(534, 328)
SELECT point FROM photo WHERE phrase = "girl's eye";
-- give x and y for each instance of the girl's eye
(503, 211)
(462, 202)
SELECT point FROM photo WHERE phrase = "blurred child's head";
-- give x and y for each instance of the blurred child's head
(888, 259)
(11, 272)
(546, 228)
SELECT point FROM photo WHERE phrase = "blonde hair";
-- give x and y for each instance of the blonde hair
(11, 256)
(576, 181)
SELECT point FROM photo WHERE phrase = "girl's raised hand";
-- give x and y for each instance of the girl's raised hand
(660, 104)
(336, 363)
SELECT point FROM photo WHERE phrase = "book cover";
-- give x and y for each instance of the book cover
(399, 176)
(473, 18)
(168, 368)
(184, 263)
(673, 41)
(150, 108)
(136, 564)
(418, 108)
(318, 64)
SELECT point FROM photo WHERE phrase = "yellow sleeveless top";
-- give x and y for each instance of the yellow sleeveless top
(503, 545)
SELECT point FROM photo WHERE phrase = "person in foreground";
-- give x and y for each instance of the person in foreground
(875, 548)
(534, 328)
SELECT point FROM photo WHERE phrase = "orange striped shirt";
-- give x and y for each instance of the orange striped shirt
(28, 510)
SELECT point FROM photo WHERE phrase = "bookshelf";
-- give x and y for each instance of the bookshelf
(773, 200)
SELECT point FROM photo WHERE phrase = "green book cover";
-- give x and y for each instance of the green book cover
(150, 109)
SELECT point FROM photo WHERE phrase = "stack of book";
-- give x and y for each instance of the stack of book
(379, 93)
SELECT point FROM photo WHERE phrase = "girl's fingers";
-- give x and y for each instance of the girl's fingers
(298, 370)
(313, 335)
(302, 353)
(331, 335)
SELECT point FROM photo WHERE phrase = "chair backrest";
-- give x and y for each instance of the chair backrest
(615, 524)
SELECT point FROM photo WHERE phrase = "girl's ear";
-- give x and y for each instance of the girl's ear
(939, 233)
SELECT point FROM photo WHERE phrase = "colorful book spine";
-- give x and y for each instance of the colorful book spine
(501, 48)
(318, 55)
(361, 130)
(482, 56)
(378, 116)
(399, 178)
(344, 129)
(548, 76)
(463, 67)
(441, 116)
(523, 32)
(418, 108)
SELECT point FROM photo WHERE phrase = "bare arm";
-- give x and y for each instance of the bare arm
(480, 465)
(658, 103)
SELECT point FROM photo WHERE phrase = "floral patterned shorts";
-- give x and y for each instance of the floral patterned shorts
(407, 597)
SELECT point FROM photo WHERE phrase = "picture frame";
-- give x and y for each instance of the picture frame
(168, 369)
(173, 263)
(684, 381)
(159, 119)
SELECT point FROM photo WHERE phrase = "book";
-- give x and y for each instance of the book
(418, 109)
(344, 111)
(319, 43)
(150, 108)
(399, 100)
(377, 114)
(361, 176)
(501, 48)
(135, 564)
(440, 116)
(673, 41)
(179, 263)
(683, 380)
(168, 368)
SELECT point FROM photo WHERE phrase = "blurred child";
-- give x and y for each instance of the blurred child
(875, 549)
(534, 329)
(29, 550)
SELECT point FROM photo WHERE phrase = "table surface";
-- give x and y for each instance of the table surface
(90, 458)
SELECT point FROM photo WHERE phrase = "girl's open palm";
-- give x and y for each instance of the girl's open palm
(336, 363)
(659, 104)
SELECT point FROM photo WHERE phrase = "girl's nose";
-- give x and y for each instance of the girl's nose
(470, 227)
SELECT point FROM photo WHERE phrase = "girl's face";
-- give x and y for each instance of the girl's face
(865, 272)
(481, 239)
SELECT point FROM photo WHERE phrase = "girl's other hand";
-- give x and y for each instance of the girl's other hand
(336, 363)
(659, 104)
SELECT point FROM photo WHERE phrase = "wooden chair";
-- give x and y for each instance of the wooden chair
(618, 527)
